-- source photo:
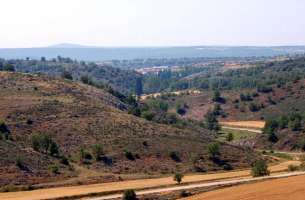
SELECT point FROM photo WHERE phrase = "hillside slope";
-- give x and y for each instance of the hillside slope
(76, 117)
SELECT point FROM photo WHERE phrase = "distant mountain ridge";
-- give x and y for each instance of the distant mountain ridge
(91, 53)
(69, 45)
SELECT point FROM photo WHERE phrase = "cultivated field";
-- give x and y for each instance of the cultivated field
(245, 124)
(135, 184)
(292, 188)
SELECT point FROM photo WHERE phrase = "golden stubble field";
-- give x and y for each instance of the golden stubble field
(245, 124)
(292, 188)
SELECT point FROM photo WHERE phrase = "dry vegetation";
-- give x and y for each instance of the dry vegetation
(135, 184)
(78, 116)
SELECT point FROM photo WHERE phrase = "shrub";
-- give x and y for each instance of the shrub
(129, 195)
(54, 149)
(64, 160)
(3, 128)
(292, 168)
(230, 137)
(178, 177)
(272, 137)
(67, 75)
(97, 151)
(185, 193)
(129, 155)
(211, 121)
(8, 67)
(253, 107)
(213, 150)
(54, 169)
(260, 168)
(35, 140)
(86, 80)
(84, 156)
(216, 96)
(264, 89)
(295, 125)
(19, 162)
(147, 115)
(45, 144)
(175, 156)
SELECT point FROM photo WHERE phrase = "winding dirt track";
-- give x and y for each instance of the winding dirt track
(53, 193)
(291, 188)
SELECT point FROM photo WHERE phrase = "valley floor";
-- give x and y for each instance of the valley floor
(116, 187)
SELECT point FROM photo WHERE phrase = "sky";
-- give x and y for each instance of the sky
(35, 23)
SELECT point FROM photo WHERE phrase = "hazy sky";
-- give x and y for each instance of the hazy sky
(28, 23)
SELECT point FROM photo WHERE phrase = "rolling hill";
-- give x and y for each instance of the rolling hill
(51, 127)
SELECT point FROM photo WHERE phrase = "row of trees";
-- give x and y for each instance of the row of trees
(294, 121)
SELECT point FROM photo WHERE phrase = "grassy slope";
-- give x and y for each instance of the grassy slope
(78, 116)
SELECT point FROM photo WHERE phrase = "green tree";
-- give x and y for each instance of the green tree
(178, 177)
(67, 75)
(9, 67)
(54, 149)
(260, 168)
(129, 195)
(139, 87)
(35, 141)
(216, 96)
(45, 143)
(97, 151)
(4, 130)
(3, 127)
(272, 137)
(230, 137)
(54, 169)
(19, 162)
(213, 149)
(295, 125)
(147, 115)
(211, 121)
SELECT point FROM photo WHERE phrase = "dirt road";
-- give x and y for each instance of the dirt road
(134, 184)
(291, 188)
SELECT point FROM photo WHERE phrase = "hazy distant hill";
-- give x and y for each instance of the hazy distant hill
(68, 45)
(98, 54)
